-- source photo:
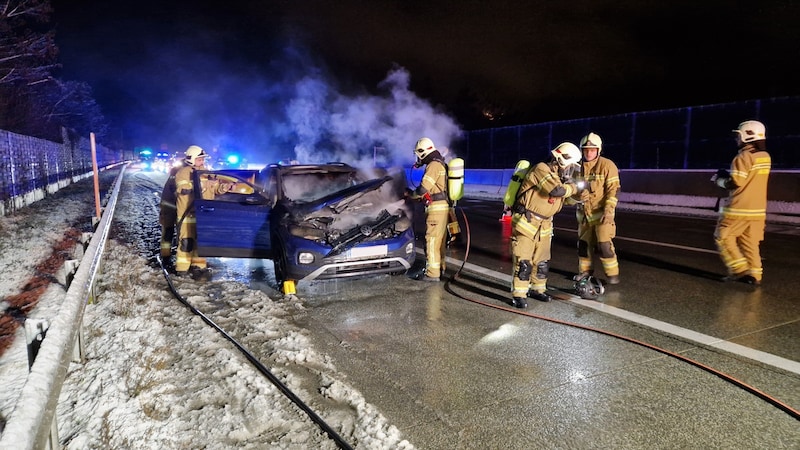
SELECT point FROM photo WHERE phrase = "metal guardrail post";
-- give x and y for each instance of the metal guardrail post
(35, 332)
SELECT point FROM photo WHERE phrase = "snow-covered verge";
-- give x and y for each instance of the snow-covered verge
(158, 376)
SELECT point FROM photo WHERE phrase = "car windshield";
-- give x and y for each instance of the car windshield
(308, 187)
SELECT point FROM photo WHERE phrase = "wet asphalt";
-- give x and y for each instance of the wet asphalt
(670, 358)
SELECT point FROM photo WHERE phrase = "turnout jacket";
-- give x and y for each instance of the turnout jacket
(602, 183)
(184, 191)
(748, 185)
(168, 197)
(541, 194)
(434, 182)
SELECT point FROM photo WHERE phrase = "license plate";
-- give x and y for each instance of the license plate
(371, 251)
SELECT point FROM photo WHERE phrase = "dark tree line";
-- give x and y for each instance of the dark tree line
(33, 101)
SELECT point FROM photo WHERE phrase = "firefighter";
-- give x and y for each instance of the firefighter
(740, 228)
(432, 190)
(540, 196)
(595, 214)
(187, 260)
(167, 215)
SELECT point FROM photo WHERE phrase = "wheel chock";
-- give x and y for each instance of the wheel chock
(289, 287)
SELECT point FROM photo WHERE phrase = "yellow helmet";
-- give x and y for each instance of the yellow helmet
(424, 148)
(194, 152)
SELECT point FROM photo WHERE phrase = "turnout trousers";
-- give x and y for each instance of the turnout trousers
(597, 236)
(437, 214)
(187, 246)
(530, 253)
(738, 243)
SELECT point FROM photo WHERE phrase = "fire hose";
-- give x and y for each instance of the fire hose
(448, 286)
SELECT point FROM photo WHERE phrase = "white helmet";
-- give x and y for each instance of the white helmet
(194, 152)
(751, 130)
(566, 154)
(592, 140)
(424, 148)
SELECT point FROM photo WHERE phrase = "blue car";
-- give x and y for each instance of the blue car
(319, 221)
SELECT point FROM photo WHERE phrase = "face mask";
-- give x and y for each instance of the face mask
(567, 173)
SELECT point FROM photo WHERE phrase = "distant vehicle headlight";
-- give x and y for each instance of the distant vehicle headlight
(305, 258)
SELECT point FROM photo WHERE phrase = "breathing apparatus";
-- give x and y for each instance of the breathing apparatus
(520, 172)
(455, 191)
(589, 287)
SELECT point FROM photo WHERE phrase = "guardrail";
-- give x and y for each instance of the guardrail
(656, 188)
(32, 424)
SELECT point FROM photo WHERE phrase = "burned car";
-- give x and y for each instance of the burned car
(319, 221)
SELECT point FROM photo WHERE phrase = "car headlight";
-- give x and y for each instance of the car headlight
(305, 258)
(409, 248)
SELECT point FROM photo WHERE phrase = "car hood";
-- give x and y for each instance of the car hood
(338, 200)
(360, 213)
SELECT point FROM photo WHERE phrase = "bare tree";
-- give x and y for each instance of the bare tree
(72, 103)
(32, 100)
(27, 47)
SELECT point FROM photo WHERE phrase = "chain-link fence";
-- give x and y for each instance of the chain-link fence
(29, 164)
(695, 137)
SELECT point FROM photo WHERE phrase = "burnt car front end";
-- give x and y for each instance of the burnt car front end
(355, 229)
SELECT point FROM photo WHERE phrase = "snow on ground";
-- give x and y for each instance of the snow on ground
(157, 376)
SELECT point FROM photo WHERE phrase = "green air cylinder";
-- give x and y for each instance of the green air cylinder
(516, 180)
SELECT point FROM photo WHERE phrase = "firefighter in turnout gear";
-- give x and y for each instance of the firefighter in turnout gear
(432, 190)
(540, 196)
(599, 179)
(740, 228)
(187, 260)
(168, 215)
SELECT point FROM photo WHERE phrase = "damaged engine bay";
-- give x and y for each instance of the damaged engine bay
(359, 213)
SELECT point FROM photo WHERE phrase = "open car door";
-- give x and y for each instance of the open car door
(234, 224)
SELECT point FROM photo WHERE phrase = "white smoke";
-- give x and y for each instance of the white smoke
(294, 105)
(364, 130)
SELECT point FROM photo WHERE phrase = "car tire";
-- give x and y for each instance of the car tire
(280, 269)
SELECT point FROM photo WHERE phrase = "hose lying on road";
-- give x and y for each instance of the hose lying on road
(736, 382)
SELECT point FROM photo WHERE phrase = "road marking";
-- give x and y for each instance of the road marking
(660, 244)
(683, 333)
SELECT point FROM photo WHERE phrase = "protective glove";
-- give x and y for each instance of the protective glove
(586, 195)
(608, 217)
(570, 187)
(721, 174)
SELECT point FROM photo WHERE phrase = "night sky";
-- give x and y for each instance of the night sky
(222, 72)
